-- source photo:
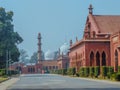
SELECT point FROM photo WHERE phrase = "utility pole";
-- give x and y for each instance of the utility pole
(7, 62)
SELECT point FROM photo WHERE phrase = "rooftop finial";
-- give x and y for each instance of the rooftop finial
(90, 9)
(76, 39)
(70, 42)
(39, 35)
(59, 51)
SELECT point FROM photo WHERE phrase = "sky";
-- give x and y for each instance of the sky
(58, 21)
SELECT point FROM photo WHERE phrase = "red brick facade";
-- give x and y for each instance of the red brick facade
(40, 67)
(63, 62)
(100, 45)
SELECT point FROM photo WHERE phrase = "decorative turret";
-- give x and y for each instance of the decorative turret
(76, 39)
(39, 47)
(90, 9)
(59, 51)
(70, 43)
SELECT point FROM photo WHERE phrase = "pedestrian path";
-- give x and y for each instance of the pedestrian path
(4, 85)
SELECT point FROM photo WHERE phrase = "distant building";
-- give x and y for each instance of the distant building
(42, 66)
(63, 59)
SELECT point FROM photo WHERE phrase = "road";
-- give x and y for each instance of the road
(57, 82)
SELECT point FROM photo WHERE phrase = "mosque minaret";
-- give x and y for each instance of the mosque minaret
(39, 47)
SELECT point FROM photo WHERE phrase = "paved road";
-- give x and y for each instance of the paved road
(57, 82)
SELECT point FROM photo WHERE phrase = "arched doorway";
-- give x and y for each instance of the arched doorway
(116, 60)
(103, 59)
(97, 59)
(91, 59)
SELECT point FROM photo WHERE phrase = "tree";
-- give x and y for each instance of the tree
(23, 56)
(34, 58)
(8, 38)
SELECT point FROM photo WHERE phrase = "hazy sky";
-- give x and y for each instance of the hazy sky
(57, 20)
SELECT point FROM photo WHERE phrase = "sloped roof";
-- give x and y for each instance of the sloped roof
(107, 23)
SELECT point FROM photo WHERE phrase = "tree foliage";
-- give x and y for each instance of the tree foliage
(23, 56)
(9, 39)
(34, 58)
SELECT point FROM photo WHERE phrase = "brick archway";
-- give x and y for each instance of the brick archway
(97, 59)
(92, 59)
(103, 59)
(116, 60)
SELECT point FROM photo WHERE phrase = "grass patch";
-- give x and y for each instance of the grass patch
(3, 79)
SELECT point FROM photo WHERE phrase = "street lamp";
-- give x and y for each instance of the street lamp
(10, 65)
(8, 61)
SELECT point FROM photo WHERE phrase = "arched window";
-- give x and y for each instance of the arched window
(103, 59)
(33, 69)
(94, 34)
(91, 59)
(97, 59)
(116, 60)
(28, 69)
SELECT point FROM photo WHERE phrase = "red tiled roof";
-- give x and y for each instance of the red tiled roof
(108, 23)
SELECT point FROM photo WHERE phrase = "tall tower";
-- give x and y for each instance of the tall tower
(39, 47)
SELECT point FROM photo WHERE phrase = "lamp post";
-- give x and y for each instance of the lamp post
(10, 65)
(8, 61)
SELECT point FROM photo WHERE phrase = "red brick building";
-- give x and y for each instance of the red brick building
(63, 62)
(100, 45)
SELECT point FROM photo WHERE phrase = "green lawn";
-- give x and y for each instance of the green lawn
(3, 79)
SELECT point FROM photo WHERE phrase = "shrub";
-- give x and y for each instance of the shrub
(104, 71)
(56, 71)
(81, 72)
(2, 72)
(71, 71)
(77, 74)
(91, 71)
(113, 76)
(64, 71)
(118, 68)
(96, 71)
(13, 72)
(74, 71)
(117, 77)
(86, 71)
(110, 71)
(60, 71)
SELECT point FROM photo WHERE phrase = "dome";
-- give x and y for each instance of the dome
(49, 55)
(64, 49)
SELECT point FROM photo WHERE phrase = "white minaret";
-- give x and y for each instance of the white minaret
(39, 48)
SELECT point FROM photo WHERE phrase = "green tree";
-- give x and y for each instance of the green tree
(8, 38)
(23, 56)
(34, 58)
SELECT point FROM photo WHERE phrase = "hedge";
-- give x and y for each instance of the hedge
(117, 76)
(118, 68)
(71, 71)
(86, 71)
(91, 71)
(2, 72)
(64, 71)
(96, 71)
(81, 72)
(104, 71)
